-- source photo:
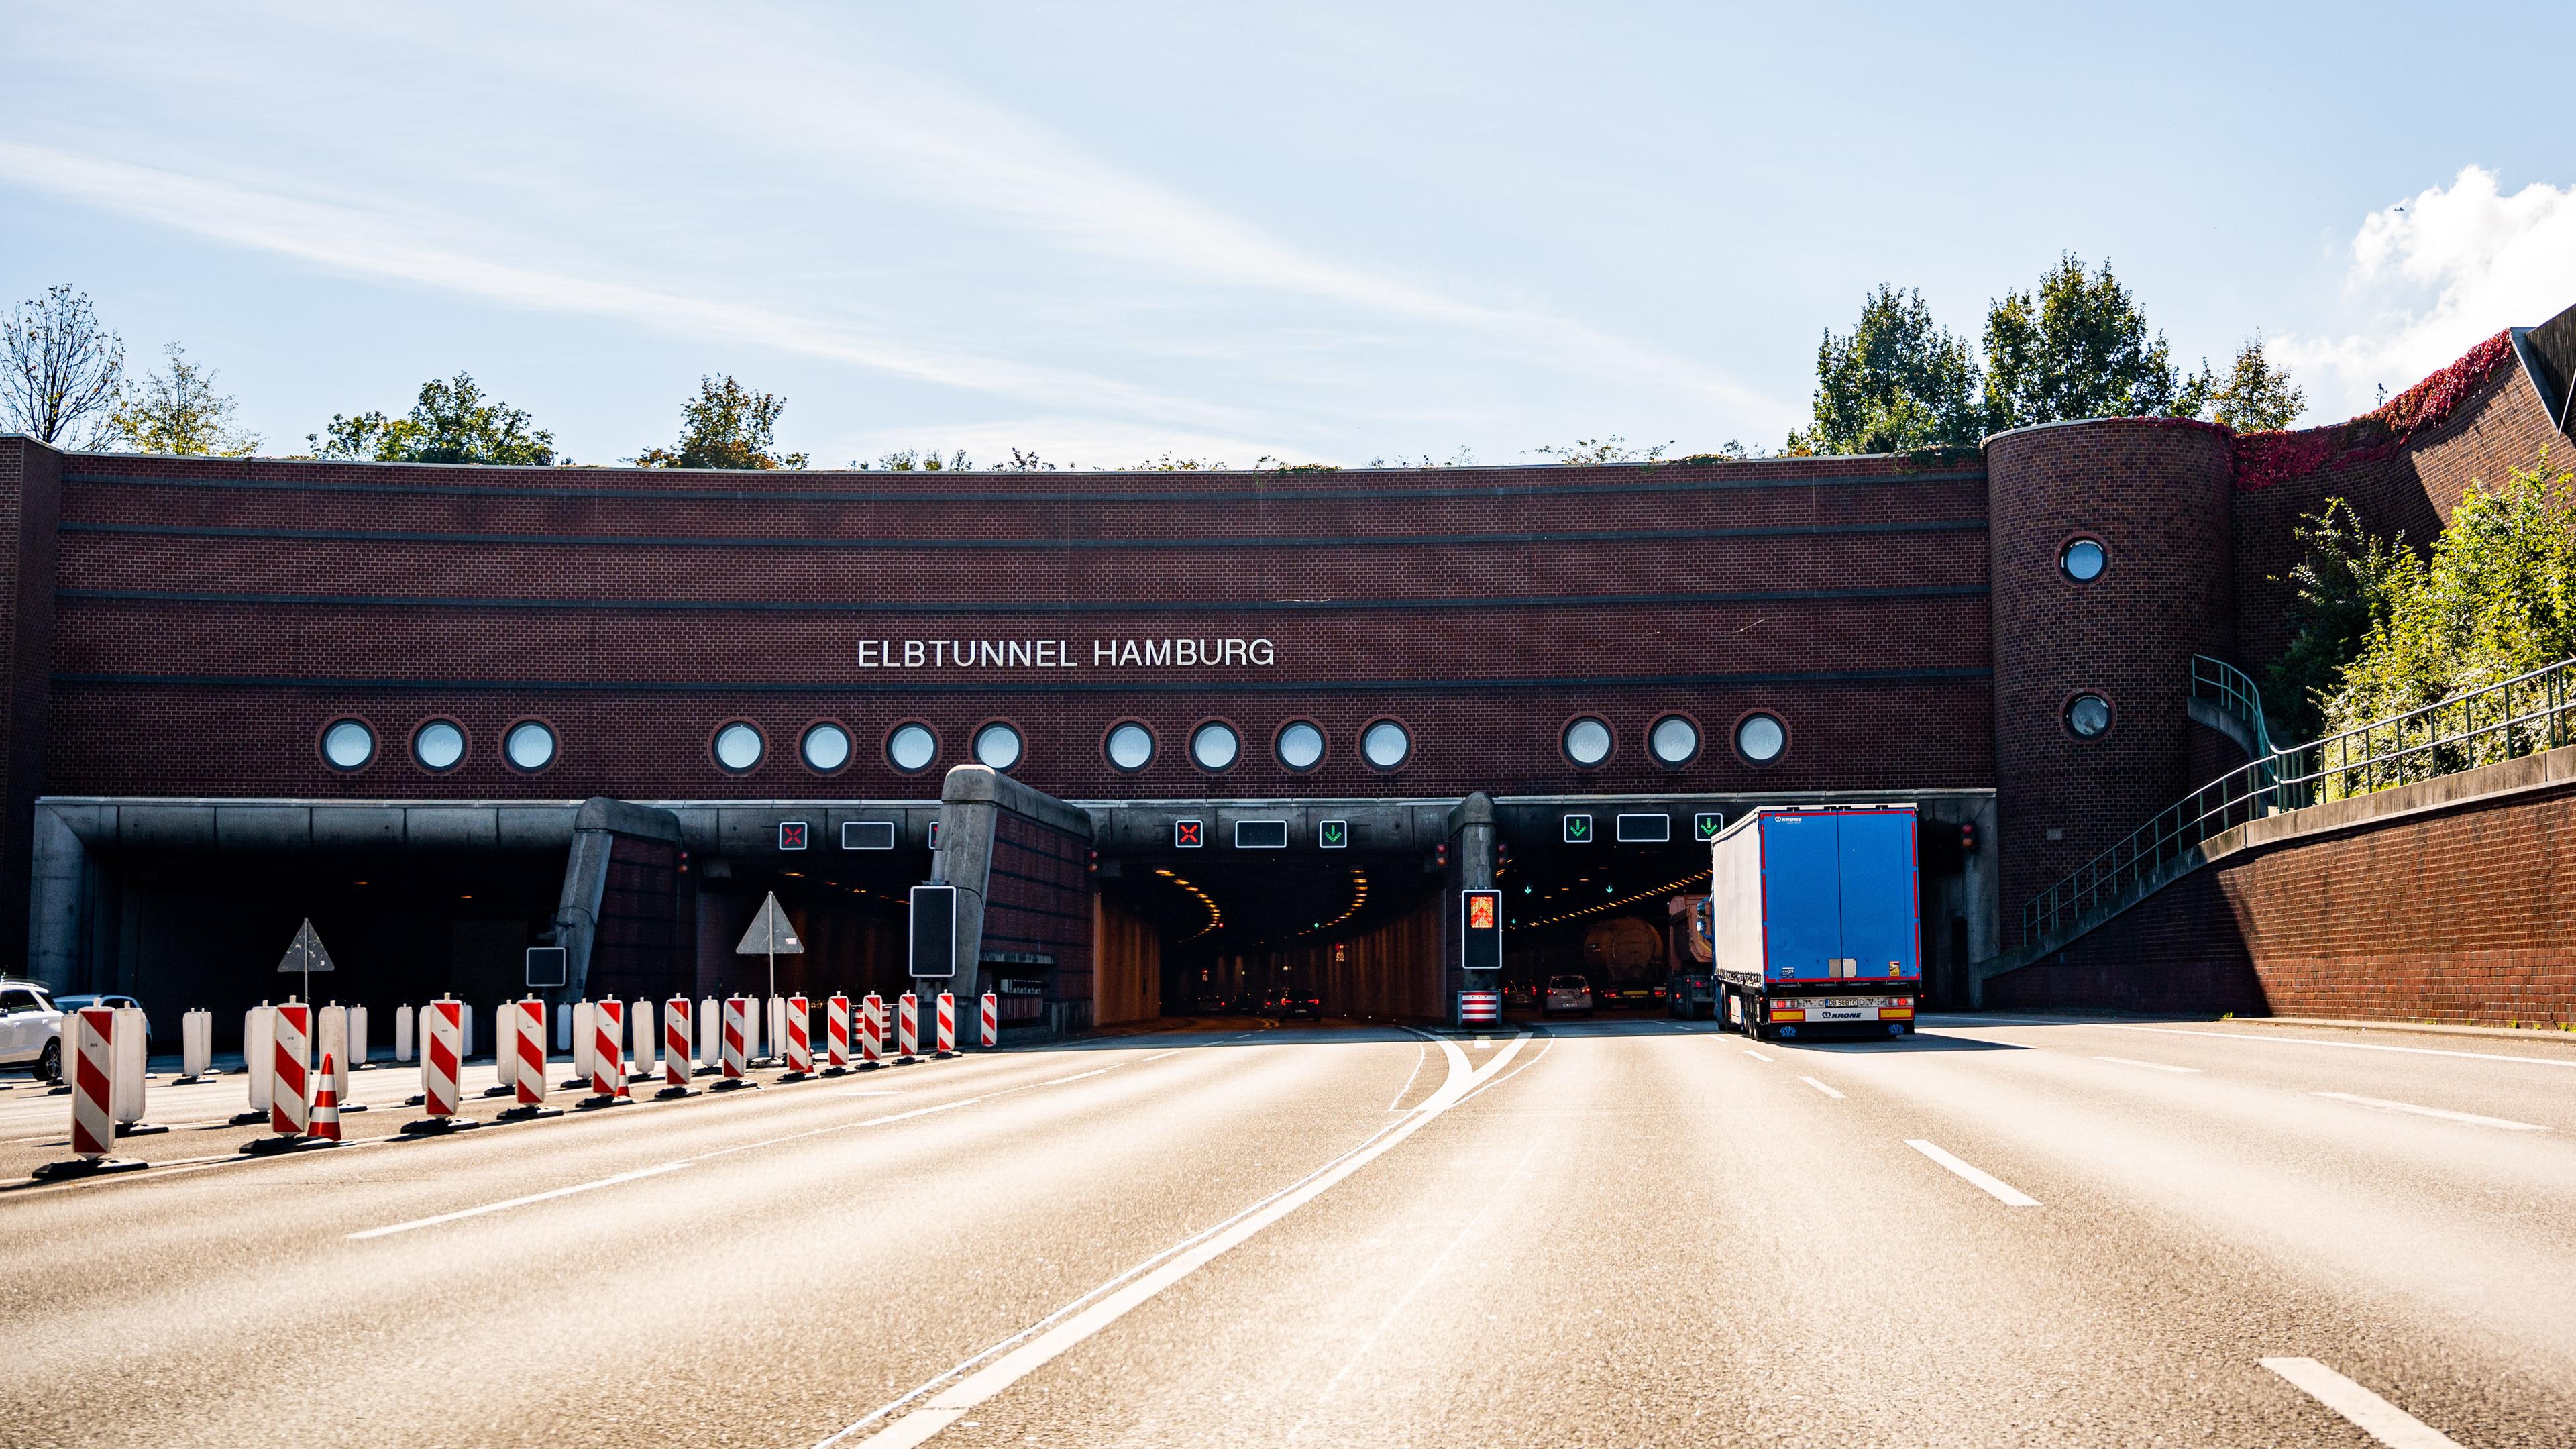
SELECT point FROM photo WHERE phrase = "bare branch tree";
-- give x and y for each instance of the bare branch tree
(62, 367)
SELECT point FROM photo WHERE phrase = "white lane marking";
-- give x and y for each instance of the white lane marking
(2366, 1411)
(1995, 1187)
(1076, 1077)
(1821, 1087)
(392, 1228)
(1757, 1056)
(2350, 1046)
(494, 1207)
(951, 1397)
(1158, 1056)
(1421, 1054)
(2446, 1115)
(1490, 1081)
(2151, 1066)
(868, 1092)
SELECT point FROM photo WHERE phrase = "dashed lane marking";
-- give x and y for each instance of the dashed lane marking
(2150, 1066)
(1757, 1056)
(1993, 1186)
(2364, 1410)
(1821, 1087)
(2472, 1118)
(1076, 1077)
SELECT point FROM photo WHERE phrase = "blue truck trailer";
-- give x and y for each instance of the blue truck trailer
(1814, 921)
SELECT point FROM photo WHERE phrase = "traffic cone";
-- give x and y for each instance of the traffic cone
(325, 1126)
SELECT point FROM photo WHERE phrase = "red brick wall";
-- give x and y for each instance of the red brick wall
(2155, 493)
(30, 499)
(217, 614)
(2467, 916)
(1037, 901)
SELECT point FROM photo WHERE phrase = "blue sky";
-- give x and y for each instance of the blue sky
(1316, 231)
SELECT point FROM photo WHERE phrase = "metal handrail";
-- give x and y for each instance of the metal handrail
(2232, 690)
(2500, 721)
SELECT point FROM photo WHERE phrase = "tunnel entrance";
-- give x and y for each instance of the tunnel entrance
(1606, 911)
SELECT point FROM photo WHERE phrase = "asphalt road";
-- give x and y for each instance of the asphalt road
(2004, 1231)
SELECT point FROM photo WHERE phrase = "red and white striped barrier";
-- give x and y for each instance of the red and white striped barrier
(585, 1043)
(90, 1069)
(737, 1046)
(675, 1047)
(326, 1103)
(907, 1025)
(528, 1059)
(129, 1055)
(992, 1033)
(947, 1023)
(836, 1034)
(1479, 1008)
(442, 1066)
(93, 1064)
(288, 1106)
(608, 1052)
(797, 1043)
(872, 1029)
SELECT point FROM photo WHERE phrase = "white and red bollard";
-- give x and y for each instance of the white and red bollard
(836, 1034)
(442, 1067)
(325, 1126)
(992, 1033)
(89, 1069)
(737, 1045)
(288, 1103)
(872, 1030)
(528, 1061)
(796, 1043)
(675, 1048)
(907, 1025)
(948, 1023)
(607, 1054)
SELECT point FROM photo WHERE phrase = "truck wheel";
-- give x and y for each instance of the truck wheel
(49, 1067)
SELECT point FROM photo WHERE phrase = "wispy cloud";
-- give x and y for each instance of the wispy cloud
(2432, 275)
(356, 239)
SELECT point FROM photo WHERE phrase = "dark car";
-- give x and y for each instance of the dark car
(1296, 1006)
(82, 999)
(1567, 993)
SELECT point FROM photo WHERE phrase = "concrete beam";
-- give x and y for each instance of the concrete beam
(596, 826)
(58, 903)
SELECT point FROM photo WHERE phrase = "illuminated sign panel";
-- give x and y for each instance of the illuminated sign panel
(1480, 935)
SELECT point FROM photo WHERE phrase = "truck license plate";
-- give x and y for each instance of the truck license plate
(1842, 1013)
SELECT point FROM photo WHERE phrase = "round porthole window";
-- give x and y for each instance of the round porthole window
(347, 744)
(997, 746)
(529, 745)
(2084, 560)
(1386, 745)
(1674, 741)
(1301, 746)
(1129, 747)
(738, 747)
(438, 745)
(1587, 742)
(911, 748)
(2088, 715)
(1214, 746)
(826, 747)
(1760, 738)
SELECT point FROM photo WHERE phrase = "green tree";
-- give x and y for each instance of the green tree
(59, 367)
(911, 460)
(2342, 590)
(1169, 464)
(1894, 384)
(2497, 598)
(726, 425)
(451, 422)
(2256, 397)
(179, 411)
(2078, 347)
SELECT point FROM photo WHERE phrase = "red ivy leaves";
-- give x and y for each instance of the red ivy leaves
(2263, 459)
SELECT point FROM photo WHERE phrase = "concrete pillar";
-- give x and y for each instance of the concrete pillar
(1983, 881)
(595, 829)
(1471, 868)
(58, 900)
(972, 801)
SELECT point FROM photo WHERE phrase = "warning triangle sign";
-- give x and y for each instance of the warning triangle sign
(305, 952)
(770, 932)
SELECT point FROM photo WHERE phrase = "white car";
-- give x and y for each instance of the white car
(31, 1030)
(1566, 994)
